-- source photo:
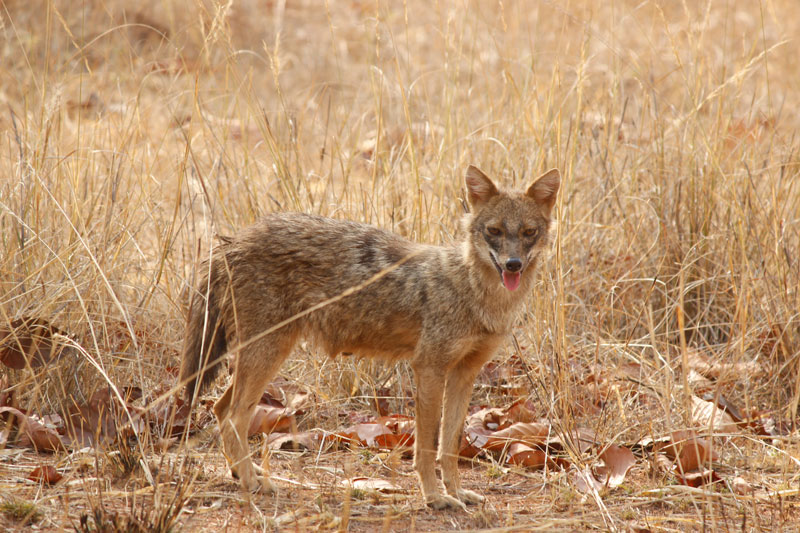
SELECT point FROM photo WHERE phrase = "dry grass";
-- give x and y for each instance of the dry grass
(131, 136)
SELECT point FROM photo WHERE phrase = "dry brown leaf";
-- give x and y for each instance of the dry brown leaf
(29, 340)
(585, 481)
(392, 441)
(372, 484)
(268, 419)
(475, 435)
(741, 487)
(7, 397)
(617, 461)
(662, 463)
(491, 418)
(523, 455)
(532, 434)
(708, 416)
(307, 440)
(400, 424)
(714, 369)
(505, 377)
(699, 478)
(46, 474)
(689, 450)
(698, 382)
(32, 433)
(93, 423)
(169, 417)
(364, 434)
(466, 449)
(520, 411)
(382, 396)
(583, 438)
(722, 402)
(766, 424)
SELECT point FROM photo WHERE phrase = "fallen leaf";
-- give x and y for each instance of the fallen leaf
(617, 461)
(475, 436)
(690, 451)
(766, 424)
(169, 417)
(532, 434)
(370, 483)
(467, 450)
(491, 418)
(307, 440)
(708, 416)
(398, 423)
(723, 403)
(268, 419)
(699, 478)
(521, 411)
(382, 396)
(741, 487)
(45, 474)
(29, 341)
(269, 397)
(713, 367)
(7, 397)
(94, 422)
(364, 434)
(584, 439)
(393, 441)
(523, 455)
(585, 481)
(662, 463)
(504, 376)
(32, 433)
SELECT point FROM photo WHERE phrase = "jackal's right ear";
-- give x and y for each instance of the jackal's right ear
(545, 188)
(479, 186)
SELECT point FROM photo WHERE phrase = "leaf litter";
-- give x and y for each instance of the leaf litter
(512, 435)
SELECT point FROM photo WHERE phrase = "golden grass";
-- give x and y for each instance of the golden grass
(131, 136)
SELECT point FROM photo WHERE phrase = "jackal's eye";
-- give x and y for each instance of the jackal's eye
(493, 231)
(530, 232)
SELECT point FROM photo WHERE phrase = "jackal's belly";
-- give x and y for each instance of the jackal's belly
(366, 341)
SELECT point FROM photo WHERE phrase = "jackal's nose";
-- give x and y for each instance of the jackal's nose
(514, 264)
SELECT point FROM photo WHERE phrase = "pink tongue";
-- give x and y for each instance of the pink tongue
(511, 280)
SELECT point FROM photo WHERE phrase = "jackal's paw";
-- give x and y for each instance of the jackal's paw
(254, 482)
(444, 501)
(469, 497)
(258, 484)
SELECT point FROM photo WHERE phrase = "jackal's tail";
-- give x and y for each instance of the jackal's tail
(205, 344)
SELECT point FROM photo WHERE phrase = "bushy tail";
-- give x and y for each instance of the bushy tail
(205, 344)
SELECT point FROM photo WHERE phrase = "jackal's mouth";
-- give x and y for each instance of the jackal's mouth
(510, 280)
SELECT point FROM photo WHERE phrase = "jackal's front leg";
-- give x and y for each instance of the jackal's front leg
(457, 393)
(428, 402)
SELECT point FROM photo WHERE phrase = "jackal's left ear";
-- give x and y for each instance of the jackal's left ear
(545, 189)
(479, 186)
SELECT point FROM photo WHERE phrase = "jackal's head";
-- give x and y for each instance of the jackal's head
(508, 230)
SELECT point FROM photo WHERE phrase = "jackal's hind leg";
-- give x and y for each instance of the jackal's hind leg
(255, 367)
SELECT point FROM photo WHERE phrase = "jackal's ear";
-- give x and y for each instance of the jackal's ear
(545, 189)
(479, 186)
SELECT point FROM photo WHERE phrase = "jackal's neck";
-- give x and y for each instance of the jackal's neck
(497, 305)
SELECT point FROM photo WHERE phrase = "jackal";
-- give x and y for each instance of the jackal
(354, 288)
